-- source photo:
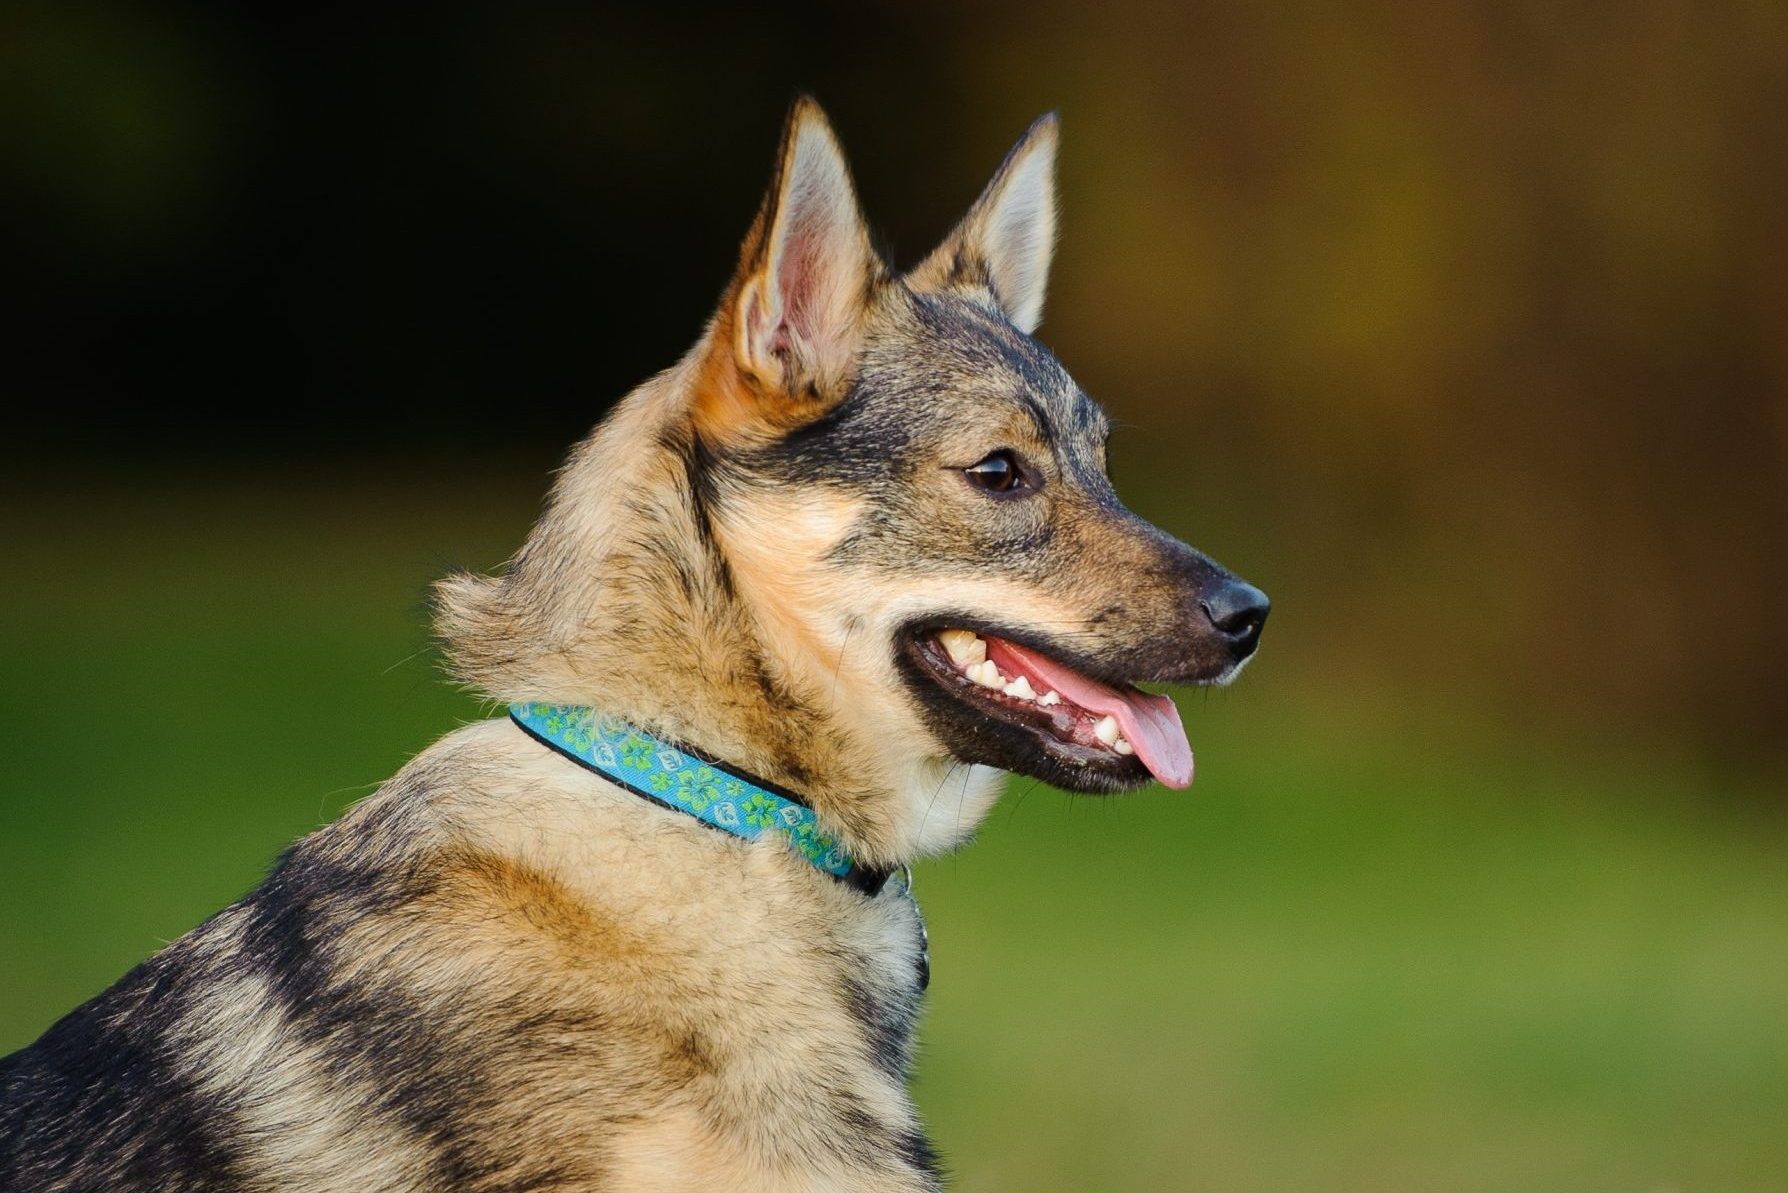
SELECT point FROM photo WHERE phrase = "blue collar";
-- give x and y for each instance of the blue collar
(712, 792)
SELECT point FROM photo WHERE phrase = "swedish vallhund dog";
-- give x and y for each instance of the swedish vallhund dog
(791, 612)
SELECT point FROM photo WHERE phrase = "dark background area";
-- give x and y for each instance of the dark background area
(369, 234)
(1484, 303)
(1462, 329)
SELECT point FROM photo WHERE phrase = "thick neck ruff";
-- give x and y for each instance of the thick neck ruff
(678, 778)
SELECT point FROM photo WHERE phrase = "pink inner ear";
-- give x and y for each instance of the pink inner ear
(770, 340)
(798, 281)
(775, 339)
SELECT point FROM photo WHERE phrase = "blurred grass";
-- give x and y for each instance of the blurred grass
(1371, 949)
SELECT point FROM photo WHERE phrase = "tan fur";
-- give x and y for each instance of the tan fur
(699, 1037)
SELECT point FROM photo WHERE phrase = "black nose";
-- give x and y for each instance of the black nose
(1237, 609)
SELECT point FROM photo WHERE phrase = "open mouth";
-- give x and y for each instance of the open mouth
(1089, 734)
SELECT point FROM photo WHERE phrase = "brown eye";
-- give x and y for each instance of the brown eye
(998, 473)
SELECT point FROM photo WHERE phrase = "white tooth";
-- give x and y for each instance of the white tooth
(1021, 688)
(1049, 698)
(987, 674)
(1106, 730)
(963, 647)
(1123, 747)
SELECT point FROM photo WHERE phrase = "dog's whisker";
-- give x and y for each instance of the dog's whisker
(409, 658)
(849, 629)
(926, 819)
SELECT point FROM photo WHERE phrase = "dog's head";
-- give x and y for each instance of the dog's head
(912, 491)
(863, 534)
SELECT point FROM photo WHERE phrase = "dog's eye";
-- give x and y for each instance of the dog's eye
(998, 473)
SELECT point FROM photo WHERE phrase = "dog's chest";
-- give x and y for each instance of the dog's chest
(814, 1086)
(646, 996)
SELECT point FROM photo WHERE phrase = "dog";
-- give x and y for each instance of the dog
(790, 614)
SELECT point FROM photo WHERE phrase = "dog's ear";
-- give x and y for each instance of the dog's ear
(1006, 240)
(792, 319)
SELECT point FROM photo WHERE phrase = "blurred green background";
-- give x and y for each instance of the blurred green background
(1461, 329)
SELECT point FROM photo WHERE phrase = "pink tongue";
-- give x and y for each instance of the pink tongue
(1151, 724)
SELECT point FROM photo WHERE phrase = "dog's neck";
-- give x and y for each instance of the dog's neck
(623, 600)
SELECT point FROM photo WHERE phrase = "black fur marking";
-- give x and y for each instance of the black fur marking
(854, 445)
(873, 1143)
(863, 1139)
(415, 1065)
(366, 1035)
(919, 1155)
(1090, 421)
(698, 469)
(887, 1026)
(102, 1100)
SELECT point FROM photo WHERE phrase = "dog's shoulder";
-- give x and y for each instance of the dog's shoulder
(481, 950)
